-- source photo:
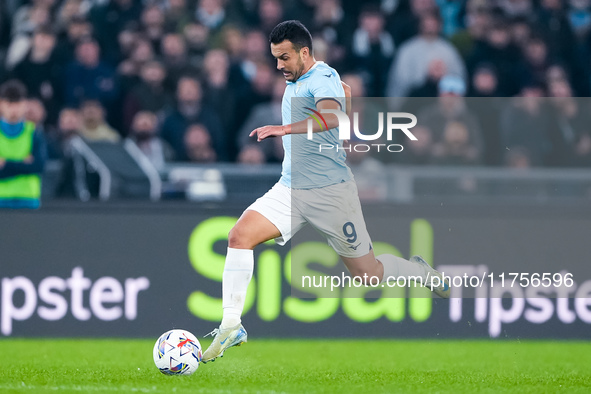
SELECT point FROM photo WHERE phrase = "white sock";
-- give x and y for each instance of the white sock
(397, 266)
(237, 274)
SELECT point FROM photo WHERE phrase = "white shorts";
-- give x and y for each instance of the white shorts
(335, 211)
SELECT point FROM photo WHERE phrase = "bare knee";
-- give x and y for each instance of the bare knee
(238, 238)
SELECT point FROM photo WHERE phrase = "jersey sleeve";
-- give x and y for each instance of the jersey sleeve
(326, 85)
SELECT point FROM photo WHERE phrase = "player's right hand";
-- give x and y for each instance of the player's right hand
(268, 131)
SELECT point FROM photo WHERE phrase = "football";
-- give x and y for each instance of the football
(177, 352)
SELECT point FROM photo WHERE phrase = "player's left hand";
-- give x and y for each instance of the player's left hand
(268, 131)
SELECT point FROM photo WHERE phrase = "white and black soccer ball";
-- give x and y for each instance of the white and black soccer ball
(177, 352)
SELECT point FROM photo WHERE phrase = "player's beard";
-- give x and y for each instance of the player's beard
(300, 70)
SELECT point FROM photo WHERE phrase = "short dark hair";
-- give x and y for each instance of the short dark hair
(13, 91)
(293, 31)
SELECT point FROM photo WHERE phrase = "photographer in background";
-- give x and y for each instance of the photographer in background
(22, 150)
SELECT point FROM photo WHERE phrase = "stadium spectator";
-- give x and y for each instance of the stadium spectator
(535, 61)
(555, 72)
(484, 82)
(149, 94)
(251, 155)
(190, 109)
(419, 152)
(451, 16)
(232, 42)
(487, 107)
(211, 13)
(244, 69)
(570, 131)
(270, 150)
(258, 90)
(579, 17)
(68, 11)
(175, 58)
(153, 24)
(372, 50)
(144, 133)
(303, 10)
(478, 21)
(322, 51)
(410, 68)
(94, 126)
(111, 18)
(129, 69)
(141, 53)
(270, 13)
(176, 15)
(456, 147)
(331, 24)
(520, 31)
(24, 24)
(437, 70)
(516, 8)
(367, 111)
(36, 113)
(68, 126)
(65, 50)
(127, 41)
(219, 95)
(198, 144)
(197, 41)
(498, 50)
(450, 107)
(31, 16)
(524, 126)
(370, 174)
(552, 20)
(39, 71)
(355, 81)
(366, 108)
(89, 78)
(22, 151)
(406, 20)
(73, 172)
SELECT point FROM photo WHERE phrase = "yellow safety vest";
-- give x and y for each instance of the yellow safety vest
(17, 149)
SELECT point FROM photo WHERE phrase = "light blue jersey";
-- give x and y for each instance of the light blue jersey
(304, 166)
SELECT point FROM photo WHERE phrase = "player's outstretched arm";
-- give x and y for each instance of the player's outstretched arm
(301, 127)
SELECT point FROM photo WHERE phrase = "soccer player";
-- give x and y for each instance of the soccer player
(327, 194)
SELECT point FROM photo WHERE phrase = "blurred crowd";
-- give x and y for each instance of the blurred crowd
(187, 80)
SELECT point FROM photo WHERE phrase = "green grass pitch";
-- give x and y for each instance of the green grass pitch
(302, 366)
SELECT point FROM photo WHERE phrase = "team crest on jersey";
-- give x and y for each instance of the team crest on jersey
(298, 86)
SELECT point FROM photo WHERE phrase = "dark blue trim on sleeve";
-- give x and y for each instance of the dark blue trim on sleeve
(330, 98)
